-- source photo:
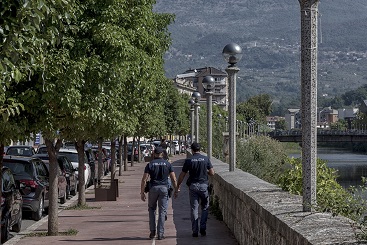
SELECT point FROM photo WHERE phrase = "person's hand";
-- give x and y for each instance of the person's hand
(176, 193)
(143, 197)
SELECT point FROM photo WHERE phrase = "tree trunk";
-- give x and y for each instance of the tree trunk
(53, 219)
(139, 151)
(1, 176)
(100, 161)
(125, 153)
(113, 159)
(81, 186)
(120, 155)
(133, 152)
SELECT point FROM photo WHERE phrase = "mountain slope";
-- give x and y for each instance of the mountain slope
(268, 32)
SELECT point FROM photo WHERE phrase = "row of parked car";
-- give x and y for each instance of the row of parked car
(25, 181)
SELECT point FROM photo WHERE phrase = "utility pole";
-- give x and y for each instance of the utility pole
(309, 11)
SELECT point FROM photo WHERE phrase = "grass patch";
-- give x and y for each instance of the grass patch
(70, 232)
(81, 207)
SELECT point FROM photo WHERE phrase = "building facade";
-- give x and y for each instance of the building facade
(192, 80)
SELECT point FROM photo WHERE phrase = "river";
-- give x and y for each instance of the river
(351, 166)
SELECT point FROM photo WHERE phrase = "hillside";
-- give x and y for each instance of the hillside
(268, 32)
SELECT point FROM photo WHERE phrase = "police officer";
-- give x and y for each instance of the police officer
(159, 170)
(198, 167)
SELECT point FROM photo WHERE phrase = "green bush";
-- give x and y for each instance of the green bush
(262, 157)
(330, 195)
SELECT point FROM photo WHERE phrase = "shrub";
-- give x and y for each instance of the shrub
(262, 157)
(330, 195)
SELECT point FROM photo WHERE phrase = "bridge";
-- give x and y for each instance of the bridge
(322, 135)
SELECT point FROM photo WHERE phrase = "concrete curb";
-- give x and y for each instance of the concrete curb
(18, 236)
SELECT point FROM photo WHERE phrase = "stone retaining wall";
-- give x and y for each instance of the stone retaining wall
(260, 213)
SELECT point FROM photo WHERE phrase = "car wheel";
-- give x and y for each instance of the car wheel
(63, 199)
(5, 233)
(37, 215)
(18, 226)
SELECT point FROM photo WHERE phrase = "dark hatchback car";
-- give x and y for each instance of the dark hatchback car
(11, 205)
(67, 171)
(33, 174)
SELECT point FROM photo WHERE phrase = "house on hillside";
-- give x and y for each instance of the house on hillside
(326, 116)
(191, 80)
(271, 121)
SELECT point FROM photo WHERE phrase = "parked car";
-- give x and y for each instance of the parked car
(176, 146)
(33, 174)
(146, 150)
(72, 155)
(130, 152)
(42, 149)
(11, 205)
(106, 159)
(20, 150)
(67, 180)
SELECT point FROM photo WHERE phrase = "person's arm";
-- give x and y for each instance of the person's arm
(142, 186)
(211, 172)
(181, 177)
(172, 175)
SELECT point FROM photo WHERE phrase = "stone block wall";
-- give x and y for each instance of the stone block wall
(260, 213)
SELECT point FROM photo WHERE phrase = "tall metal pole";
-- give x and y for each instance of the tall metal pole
(309, 11)
(197, 122)
(192, 123)
(209, 123)
(231, 71)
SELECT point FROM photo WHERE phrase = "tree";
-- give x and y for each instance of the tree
(280, 125)
(29, 30)
(256, 108)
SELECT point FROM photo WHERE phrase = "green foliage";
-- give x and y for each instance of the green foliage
(255, 108)
(262, 157)
(339, 125)
(280, 125)
(331, 196)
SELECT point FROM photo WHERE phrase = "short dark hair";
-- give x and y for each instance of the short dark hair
(195, 146)
(158, 150)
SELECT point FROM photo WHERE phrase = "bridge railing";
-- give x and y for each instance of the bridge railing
(319, 132)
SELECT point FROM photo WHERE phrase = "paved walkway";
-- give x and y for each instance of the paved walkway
(125, 221)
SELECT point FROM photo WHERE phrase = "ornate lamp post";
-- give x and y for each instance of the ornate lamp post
(209, 85)
(191, 103)
(196, 97)
(232, 53)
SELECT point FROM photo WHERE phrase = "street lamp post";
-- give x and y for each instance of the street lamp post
(196, 97)
(209, 84)
(232, 53)
(191, 103)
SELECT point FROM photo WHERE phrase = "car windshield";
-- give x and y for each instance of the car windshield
(19, 151)
(42, 150)
(73, 157)
(20, 168)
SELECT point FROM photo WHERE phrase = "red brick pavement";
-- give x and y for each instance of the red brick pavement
(125, 221)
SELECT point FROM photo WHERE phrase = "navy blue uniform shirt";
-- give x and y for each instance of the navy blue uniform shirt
(159, 170)
(197, 166)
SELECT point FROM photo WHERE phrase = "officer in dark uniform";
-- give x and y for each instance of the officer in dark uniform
(159, 170)
(198, 167)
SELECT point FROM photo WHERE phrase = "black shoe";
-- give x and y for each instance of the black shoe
(152, 234)
(195, 235)
(165, 217)
(203, 232)
(160, 237)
